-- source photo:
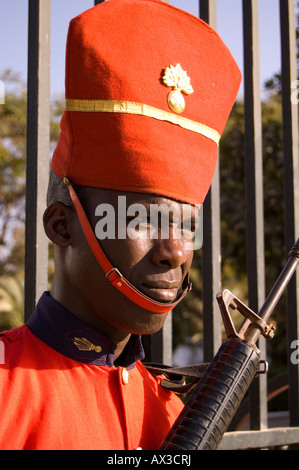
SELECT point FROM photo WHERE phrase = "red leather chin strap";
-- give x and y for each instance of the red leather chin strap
(111, 273)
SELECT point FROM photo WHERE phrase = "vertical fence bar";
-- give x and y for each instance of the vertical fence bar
(291, 184)
(38, 144)
(161, 342)
(254, 192)
(211, 250)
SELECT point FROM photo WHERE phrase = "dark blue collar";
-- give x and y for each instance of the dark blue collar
(67, 334)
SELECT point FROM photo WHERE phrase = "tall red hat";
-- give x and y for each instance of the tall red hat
(149, 89)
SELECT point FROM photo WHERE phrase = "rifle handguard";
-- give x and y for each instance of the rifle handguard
(213, 403)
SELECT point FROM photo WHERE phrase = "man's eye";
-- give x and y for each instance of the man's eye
(188, 228)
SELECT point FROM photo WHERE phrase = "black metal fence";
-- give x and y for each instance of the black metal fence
(38, 145)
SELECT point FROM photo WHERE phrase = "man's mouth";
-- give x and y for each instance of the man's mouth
(162, 291)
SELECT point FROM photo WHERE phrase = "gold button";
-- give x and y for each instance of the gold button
(125, 376)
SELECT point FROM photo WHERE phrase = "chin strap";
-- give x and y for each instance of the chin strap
(111, 273)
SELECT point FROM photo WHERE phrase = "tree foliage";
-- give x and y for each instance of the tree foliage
(13, 126)
(12, 174)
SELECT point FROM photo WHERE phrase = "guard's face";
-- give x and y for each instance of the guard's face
(146, 238)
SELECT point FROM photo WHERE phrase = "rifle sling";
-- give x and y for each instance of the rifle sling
(175, 377)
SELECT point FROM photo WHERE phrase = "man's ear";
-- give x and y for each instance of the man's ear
(57, 223)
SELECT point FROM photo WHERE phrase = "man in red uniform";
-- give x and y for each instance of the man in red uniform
(148, 91)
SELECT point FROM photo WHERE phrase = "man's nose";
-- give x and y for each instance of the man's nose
(169, 253)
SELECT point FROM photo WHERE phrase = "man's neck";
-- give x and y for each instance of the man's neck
(77, 308)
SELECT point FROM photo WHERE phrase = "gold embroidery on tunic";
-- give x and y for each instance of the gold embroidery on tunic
(84, 345)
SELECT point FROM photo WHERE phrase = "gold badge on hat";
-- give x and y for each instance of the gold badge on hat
(178, 79)
(84, 345)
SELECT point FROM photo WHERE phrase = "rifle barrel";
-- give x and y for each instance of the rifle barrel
(276, 291)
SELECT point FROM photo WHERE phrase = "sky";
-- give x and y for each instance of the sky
(14, 30)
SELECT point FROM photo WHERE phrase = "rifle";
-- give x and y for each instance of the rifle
(217, 395)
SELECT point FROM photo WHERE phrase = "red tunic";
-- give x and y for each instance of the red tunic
(51, 401)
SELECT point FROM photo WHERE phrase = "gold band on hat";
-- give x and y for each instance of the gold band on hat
(130, 107)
